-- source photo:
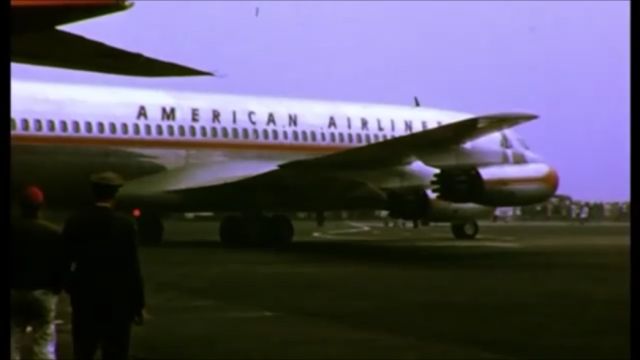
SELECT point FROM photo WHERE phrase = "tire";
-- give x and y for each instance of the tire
(282, 230)
(467, 230)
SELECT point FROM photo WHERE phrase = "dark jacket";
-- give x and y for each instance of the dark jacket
(36, 255)
(103, 258)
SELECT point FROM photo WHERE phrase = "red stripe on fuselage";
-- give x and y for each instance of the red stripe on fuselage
(173, 143)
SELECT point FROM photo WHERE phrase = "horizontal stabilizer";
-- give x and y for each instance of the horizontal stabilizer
(62, 49)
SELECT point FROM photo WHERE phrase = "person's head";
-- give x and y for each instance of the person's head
(31, 201)
(105, 186)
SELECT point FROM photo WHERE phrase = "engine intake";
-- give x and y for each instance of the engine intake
(497, 185)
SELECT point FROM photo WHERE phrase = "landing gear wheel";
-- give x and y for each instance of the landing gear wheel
(466, 230)
(281, 230)
(150, 229)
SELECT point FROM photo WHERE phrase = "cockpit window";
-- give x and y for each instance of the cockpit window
(523, 144)
(505, 143)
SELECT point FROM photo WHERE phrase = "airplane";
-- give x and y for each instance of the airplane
(257, 159)
(36, 40)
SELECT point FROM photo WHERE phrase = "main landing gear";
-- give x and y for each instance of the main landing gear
(256, 230)
(465, 230)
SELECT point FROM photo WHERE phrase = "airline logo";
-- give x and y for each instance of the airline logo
(213, 116)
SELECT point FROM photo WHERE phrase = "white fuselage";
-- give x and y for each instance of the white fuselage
(60, 133)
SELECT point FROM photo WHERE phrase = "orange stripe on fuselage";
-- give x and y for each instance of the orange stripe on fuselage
(171, 144)
(44, 3)
(550, 178)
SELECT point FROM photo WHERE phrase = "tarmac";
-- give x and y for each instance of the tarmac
(358, 290)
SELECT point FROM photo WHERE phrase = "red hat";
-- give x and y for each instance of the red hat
(33, 196)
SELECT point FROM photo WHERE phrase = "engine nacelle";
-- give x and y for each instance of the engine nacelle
(408, 204)
(497, 185)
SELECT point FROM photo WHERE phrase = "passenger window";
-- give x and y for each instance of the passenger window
(333, 137)
(274, 134)
(368, 138)
(51, 126)
(171, 131)
(159, 130)
(245, 133)
(350, 136)
(112, 128)
(203, 131)
(25, 125)
(88, 127)
(100, 127)
(192, 131)
(13, 124)
(359, 138)
(256, 134)
(341, 138)
(234, 132)
(304, 136)
(63, 126)
(295, 135)
(124, 128)
(313, 136)
(285, 135)
(76, 126)
(147, 129)
(225, 133)
(136, 129)
(265, 134)
(214, 132)
(181, 131)
(323, 137)
(38, 125)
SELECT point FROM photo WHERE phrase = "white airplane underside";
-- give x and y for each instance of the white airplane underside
(183, 152)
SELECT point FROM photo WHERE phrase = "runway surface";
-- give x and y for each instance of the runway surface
(359, 290)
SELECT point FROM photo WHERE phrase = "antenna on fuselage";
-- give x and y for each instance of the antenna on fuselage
(416, 101)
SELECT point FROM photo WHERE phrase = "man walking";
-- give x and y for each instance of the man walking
(105, 283)
(36, 278)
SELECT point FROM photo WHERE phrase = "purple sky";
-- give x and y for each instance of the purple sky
(566, 61)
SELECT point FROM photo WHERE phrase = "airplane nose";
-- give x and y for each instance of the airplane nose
(552, 179)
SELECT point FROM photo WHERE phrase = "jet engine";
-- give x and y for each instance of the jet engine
(497, 185)
(408, 204)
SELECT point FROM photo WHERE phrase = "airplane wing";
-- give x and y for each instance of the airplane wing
(36, 41)
(233, 185)
(305, 183)
(402, 149)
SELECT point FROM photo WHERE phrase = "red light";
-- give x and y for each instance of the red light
(136, 212)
